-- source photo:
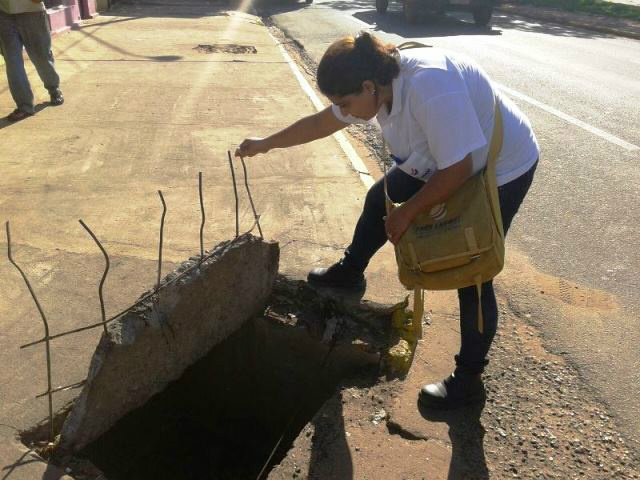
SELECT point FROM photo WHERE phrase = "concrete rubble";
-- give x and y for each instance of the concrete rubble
(153, 344)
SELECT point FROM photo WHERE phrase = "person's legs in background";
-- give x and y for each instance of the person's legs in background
(14, 65)
(35, 33)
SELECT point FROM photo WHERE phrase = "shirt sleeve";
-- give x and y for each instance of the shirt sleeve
(451, 126)
(345, 118)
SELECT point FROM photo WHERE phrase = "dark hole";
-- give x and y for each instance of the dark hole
(223, 417)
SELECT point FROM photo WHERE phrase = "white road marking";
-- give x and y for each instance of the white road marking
(356, 162)
(589, 128)
(359, 165)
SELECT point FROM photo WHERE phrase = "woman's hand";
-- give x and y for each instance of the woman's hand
(397, 223)
(252, 146)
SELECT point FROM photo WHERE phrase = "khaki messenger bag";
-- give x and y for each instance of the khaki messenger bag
(458, 243)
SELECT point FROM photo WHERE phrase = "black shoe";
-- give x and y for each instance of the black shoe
(56, 96)
(457, 390)
(18, 115)
(337, 275)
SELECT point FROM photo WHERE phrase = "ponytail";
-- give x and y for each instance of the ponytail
(351, 60)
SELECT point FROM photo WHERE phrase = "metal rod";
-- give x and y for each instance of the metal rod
(203, 217)
(246, 184)
(46, 330)
(164, 212)
(60, 389)
(104, 275)
(140, 301)
(235, 191)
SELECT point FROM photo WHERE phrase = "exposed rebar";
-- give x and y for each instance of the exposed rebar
(46, 331)
(140, 301)
(164, 212)
(203, 217)
(235, 192)
(246, 184)
(104, 275)
(67, 387)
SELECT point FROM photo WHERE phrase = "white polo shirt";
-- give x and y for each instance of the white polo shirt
(443, 109)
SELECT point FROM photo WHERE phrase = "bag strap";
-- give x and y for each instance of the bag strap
(418, 312)
(412, 44)
(490, 172)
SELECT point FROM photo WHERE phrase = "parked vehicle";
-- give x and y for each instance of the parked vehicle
(481, 9)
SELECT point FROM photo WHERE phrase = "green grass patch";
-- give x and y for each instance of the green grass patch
(597, 7)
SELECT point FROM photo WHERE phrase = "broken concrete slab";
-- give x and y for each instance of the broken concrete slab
(154, 343)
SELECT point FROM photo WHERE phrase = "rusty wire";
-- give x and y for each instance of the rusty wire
(246, 184)
(104, 275)
(164, 212)
(235, 191)
(203, 217)
(140, 301)
(46, 331)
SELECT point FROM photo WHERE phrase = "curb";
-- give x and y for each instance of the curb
(586, 21)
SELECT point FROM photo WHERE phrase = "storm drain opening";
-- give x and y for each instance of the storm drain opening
(225, 415)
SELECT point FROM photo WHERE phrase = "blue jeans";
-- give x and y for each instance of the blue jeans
(30, 30)
(370, 236)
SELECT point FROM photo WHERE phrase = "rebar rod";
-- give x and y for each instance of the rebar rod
(203, 217)
(68, 387)
(46, 330)
(246, 184)
(104, 275)
(235, 191)
(164, 212)
(140, 301)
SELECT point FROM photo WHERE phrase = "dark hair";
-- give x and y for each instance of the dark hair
(351, 60)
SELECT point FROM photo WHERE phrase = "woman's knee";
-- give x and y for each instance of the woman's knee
(374, 200)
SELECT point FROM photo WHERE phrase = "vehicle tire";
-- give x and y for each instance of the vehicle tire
(382, 5)
(410, 11)
(482, 15)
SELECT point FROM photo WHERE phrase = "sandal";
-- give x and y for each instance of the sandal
(18, 115)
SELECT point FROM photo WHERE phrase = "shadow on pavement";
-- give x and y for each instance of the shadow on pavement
(450, 24)
(467, 441)
(6, 123)
(429, 26)
(523, 24)
(330, 440)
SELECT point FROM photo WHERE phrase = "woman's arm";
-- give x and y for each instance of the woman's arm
(305, 130)
(436, 190)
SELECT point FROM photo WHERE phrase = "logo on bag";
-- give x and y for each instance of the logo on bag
(438, 212)
(422, 231)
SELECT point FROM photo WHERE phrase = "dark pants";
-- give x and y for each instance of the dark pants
(370, 236)
(30, 30)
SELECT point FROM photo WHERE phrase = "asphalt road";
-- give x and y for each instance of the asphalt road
(581, 221)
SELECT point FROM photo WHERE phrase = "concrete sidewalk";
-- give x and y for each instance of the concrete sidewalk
(147, 109)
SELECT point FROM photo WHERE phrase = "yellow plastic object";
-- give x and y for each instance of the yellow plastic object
(403, 341)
